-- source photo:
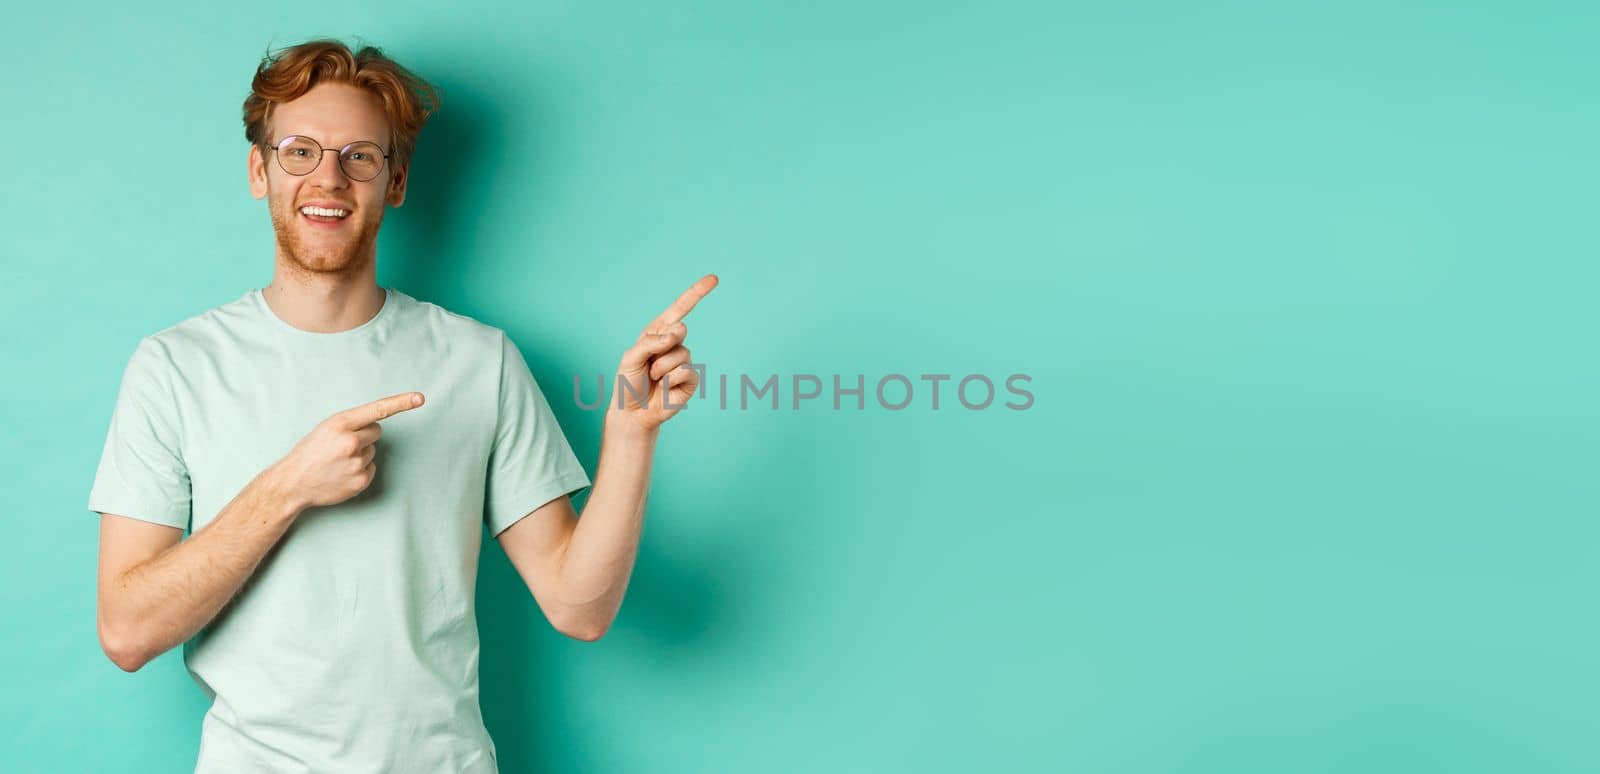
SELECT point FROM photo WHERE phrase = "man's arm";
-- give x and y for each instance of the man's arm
(577, 573)
(156, 591)
(578, 569)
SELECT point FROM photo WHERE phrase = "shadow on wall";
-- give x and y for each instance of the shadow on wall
(680, 600)
(424, 245)
(686, 607)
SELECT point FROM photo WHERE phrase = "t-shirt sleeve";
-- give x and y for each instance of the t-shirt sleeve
(531, 462)
(142, 474)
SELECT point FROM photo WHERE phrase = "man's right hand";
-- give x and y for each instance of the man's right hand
(333, 463)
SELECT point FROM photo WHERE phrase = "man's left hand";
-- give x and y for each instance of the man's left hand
(658, 361)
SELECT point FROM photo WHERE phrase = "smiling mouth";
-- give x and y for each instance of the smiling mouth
(324, 214)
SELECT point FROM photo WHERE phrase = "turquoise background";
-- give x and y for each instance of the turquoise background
(1307, 294)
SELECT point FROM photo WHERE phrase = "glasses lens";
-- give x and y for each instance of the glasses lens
(299, 155)
(361, 160)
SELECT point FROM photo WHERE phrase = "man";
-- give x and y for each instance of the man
(335, 449)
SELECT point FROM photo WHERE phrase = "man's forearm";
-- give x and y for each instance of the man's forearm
(599, 557)
(165, 600)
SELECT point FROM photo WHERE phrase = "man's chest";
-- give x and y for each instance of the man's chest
(241, 414)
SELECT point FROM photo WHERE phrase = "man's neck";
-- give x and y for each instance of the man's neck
(324, 303)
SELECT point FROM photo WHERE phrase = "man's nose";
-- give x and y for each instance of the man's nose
(329, 174)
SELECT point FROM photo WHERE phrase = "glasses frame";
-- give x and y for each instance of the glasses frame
(278, 146)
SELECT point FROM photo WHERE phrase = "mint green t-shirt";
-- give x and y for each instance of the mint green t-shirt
(354, 645)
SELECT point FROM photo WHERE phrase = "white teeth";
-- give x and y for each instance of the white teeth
(324, 212)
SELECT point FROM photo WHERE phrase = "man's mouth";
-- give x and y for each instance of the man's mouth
(324, 215)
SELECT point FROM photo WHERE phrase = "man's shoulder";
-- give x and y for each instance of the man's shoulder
(200, 330)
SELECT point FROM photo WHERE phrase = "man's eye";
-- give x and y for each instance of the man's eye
(299, 152)
(359, 156)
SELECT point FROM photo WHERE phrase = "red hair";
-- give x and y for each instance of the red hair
(286, 75)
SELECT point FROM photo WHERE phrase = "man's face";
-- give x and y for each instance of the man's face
(334, 115)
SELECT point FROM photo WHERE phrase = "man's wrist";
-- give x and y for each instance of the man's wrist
(280, 499)
(619, 427)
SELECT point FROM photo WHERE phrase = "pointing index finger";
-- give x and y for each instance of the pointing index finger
(686, 301)
(382, 408)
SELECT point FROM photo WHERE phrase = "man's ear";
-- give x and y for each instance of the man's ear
(397, 185)
(258, 171)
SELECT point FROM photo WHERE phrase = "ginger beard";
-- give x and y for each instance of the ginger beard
(346, 249)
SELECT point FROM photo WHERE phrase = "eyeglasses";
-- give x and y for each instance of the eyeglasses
(360, 161)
